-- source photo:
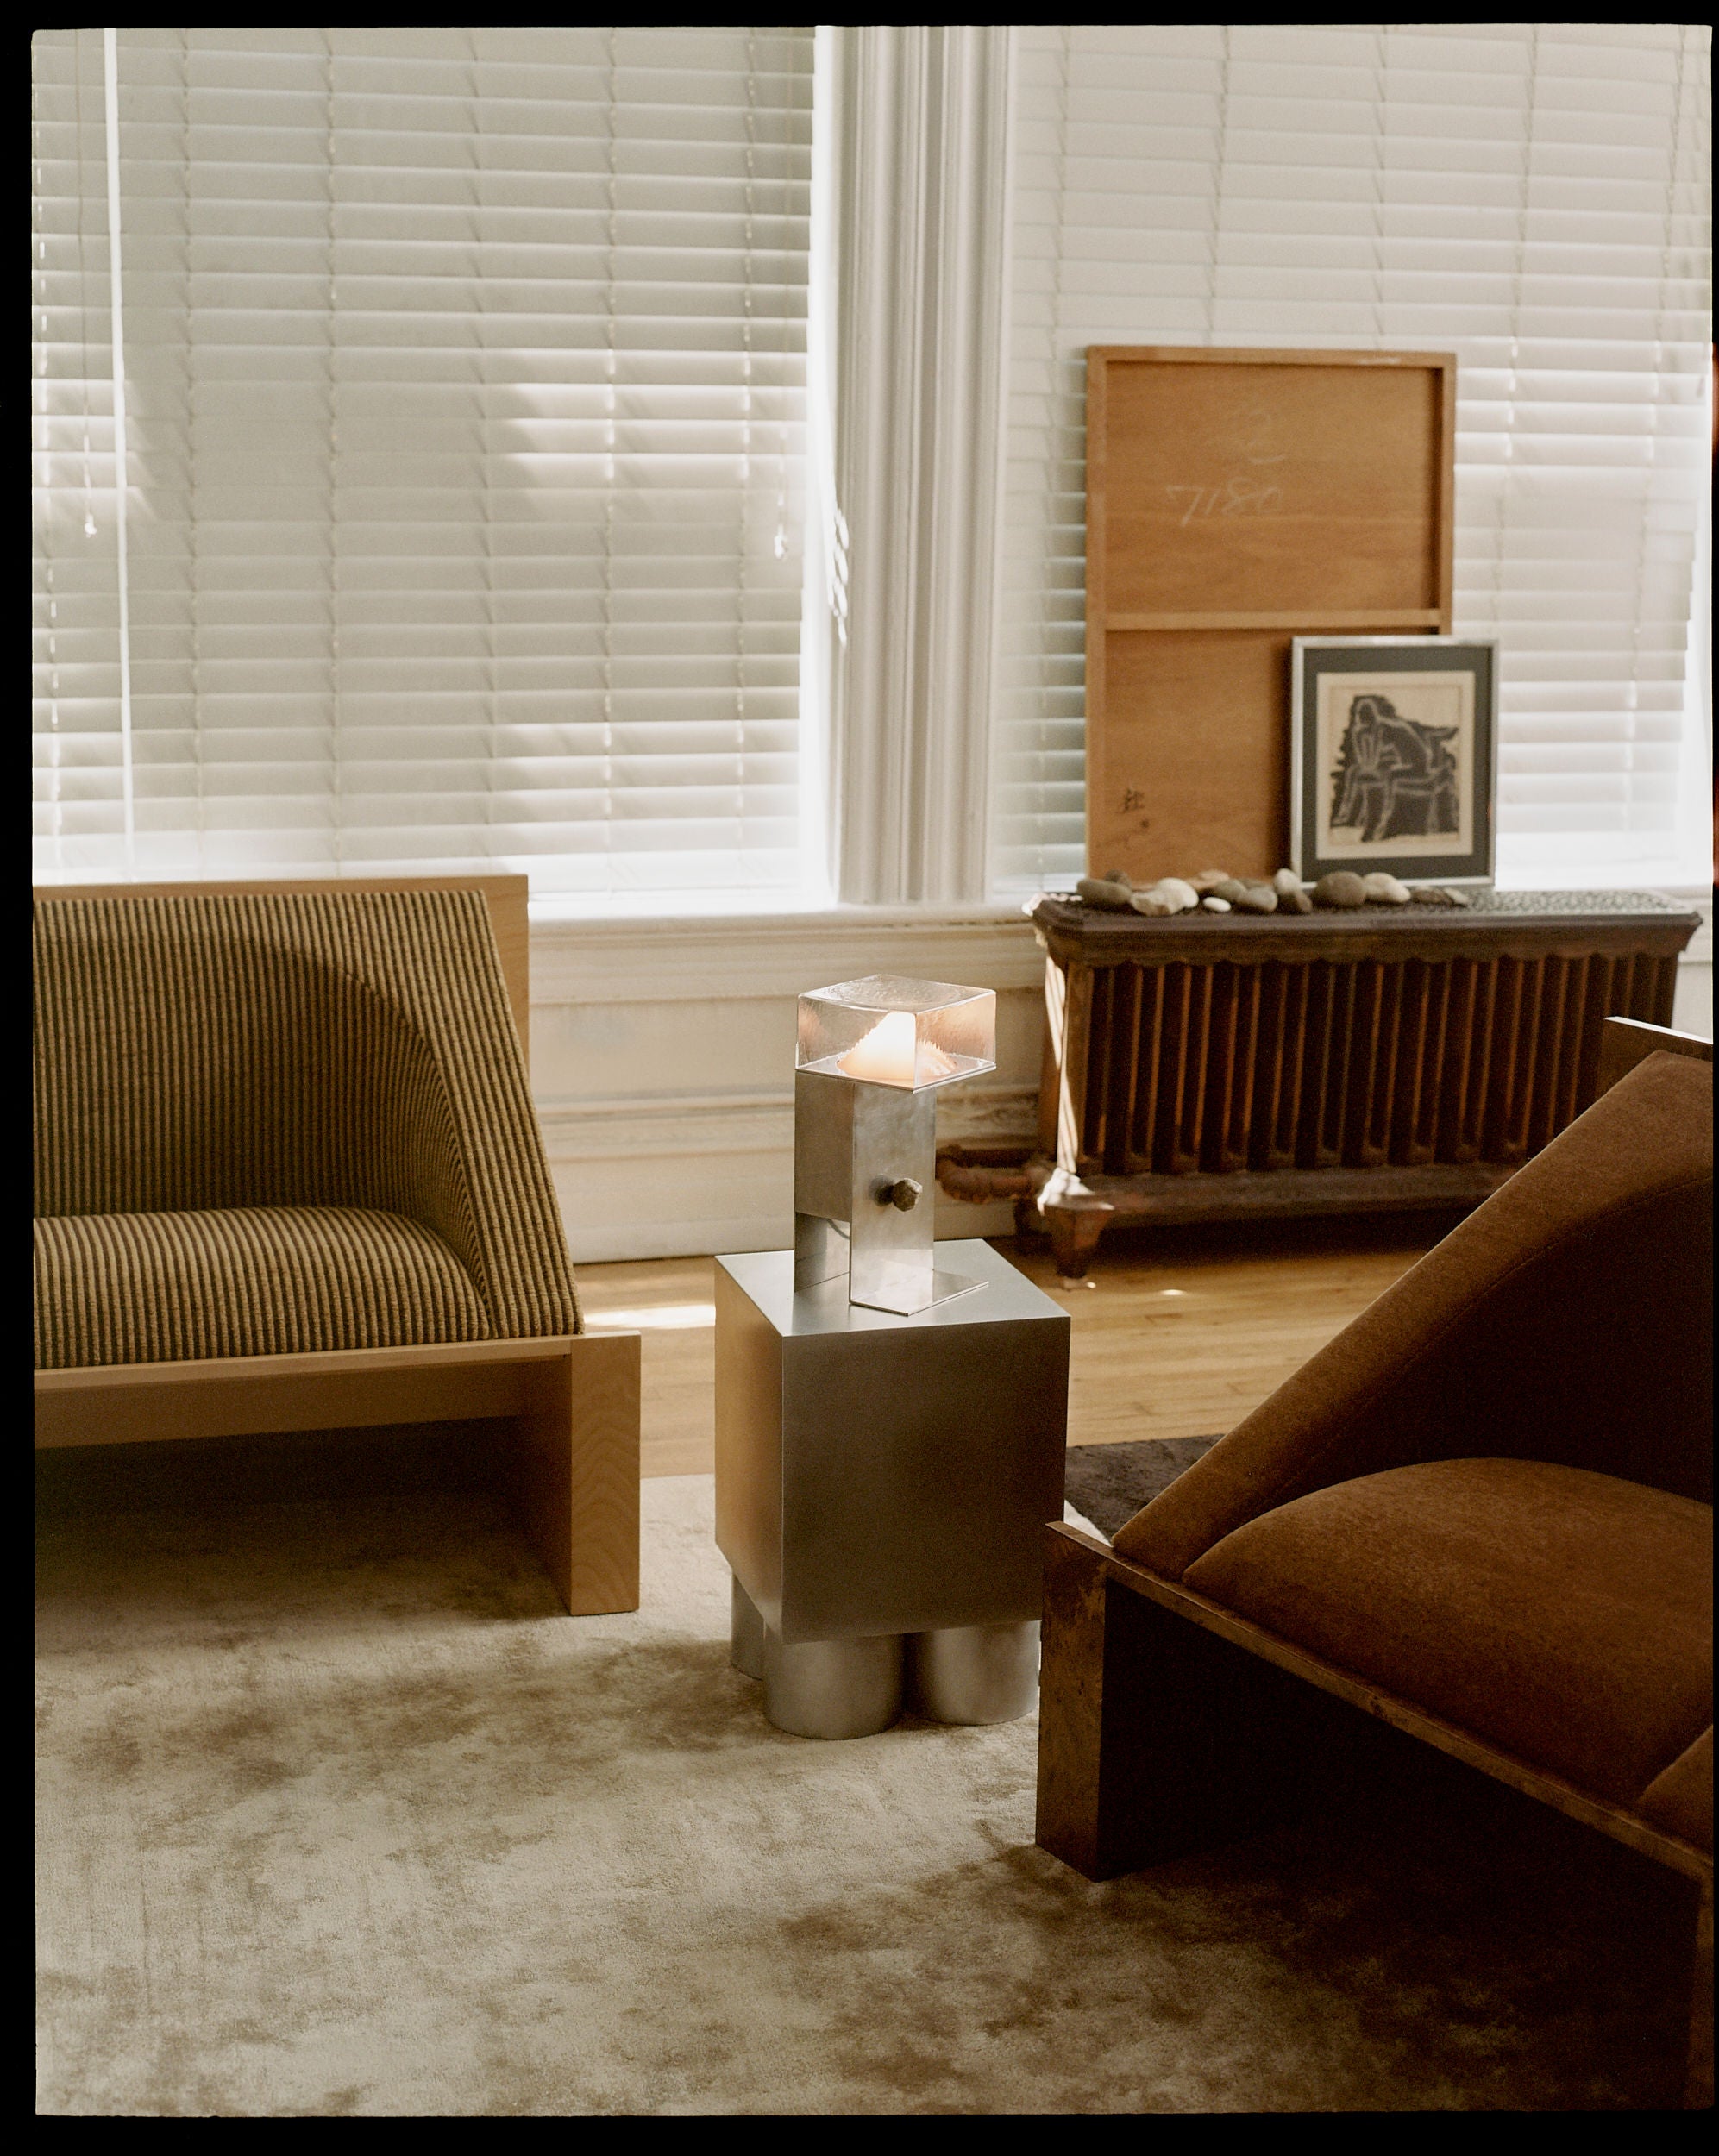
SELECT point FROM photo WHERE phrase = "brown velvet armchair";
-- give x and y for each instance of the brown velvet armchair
(1483, 1514)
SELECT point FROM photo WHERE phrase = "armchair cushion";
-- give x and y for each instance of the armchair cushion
(1561, 1614)
(116, 1287)
(1568, 1320)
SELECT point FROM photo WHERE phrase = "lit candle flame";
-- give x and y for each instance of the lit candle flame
(887, 1054)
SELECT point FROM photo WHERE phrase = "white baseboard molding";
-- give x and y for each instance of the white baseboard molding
(692, 1176)
(748, 955)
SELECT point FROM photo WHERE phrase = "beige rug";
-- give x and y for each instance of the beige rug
(339, 1816)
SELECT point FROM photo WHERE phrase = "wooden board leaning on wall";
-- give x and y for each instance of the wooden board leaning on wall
(1236, 499)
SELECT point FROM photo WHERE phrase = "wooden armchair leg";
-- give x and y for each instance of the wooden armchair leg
(576, 1472)
(1698, 2088)
(1156, 1738)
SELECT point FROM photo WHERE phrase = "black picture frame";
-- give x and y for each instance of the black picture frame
(1394, 756)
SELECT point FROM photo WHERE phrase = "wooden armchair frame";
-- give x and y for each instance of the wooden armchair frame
(568, 1405)
(1169, 1724)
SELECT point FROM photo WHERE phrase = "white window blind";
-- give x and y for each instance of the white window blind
(464, 385)
(1532, 196)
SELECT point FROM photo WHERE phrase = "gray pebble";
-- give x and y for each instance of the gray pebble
(1285, 882)
(1295, 901)
(1098, 891)
(1342, 887)
(1257, 897)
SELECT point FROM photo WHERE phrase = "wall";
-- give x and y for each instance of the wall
(662, 1061)
(1693, 1012)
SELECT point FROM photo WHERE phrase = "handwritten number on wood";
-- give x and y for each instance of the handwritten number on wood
(1238, 495)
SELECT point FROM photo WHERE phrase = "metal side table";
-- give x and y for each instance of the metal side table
(882, 1484)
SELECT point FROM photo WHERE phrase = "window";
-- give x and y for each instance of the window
(1532, 196)
(455, 380)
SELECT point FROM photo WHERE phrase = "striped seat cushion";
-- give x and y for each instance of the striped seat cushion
(252, 1280)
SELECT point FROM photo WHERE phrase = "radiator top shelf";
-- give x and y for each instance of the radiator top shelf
(1493, 924)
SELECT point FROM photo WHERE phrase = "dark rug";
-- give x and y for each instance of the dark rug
(1109, 1484)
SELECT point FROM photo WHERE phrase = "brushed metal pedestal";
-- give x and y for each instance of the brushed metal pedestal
(974, 1673)
(833, 1688)
(882, 1482)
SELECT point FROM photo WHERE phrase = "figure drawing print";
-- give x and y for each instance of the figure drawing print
(1396, 777)
(1396, 753)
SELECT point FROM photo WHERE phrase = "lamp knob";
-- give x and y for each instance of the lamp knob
(903, 1195)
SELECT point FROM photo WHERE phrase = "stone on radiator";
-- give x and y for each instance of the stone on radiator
(1342, 888)
(1168, 895)
(1211, 905)
(1385, 890)
(1096, 891)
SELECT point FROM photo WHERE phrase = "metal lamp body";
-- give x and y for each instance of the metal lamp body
(865, 1147)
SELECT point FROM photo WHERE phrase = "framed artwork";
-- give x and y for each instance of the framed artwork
(1392, 756)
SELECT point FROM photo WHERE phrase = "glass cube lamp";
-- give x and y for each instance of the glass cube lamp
(884, 1031)
(869, 1058)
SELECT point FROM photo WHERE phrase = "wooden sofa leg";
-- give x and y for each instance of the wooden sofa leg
(577, 1467)
(1156, 1738)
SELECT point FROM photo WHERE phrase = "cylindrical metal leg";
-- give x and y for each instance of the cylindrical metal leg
(974, 1673)
(745, 1634)
(832, 1688)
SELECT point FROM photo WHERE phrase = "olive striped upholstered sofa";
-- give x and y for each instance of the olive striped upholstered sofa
(288, 1176)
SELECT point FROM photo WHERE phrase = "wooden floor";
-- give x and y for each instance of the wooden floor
(1181, 1334)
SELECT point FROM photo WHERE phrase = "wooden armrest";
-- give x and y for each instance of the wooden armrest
(1625, 1042)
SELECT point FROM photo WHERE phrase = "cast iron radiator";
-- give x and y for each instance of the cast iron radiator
(1211, 1065)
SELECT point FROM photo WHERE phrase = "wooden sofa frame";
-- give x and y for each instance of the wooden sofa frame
(570, 1403)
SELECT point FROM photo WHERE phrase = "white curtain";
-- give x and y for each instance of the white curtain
(1532, 196)
(463, 376)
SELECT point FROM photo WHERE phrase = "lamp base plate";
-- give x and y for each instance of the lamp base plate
(944, 1287)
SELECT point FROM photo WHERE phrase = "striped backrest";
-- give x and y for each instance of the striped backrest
(302, 1047)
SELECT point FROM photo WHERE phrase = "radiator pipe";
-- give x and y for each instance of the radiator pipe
(984, 1183)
